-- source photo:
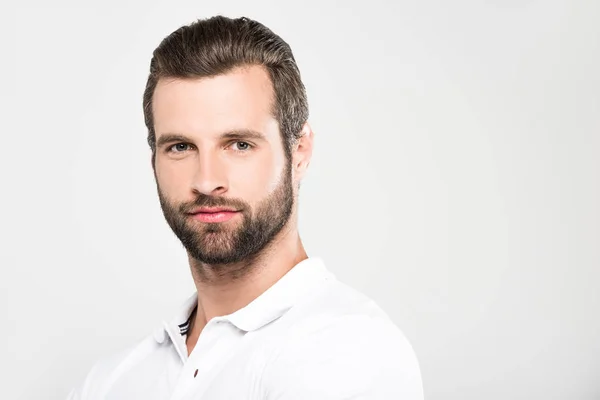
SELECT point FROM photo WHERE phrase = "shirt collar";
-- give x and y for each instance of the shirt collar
(180, 323)
(295, 285)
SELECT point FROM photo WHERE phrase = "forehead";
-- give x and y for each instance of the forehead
(241, 98)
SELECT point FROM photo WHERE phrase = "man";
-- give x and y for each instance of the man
(226, 113)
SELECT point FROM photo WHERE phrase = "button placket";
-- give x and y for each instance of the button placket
(202, 350)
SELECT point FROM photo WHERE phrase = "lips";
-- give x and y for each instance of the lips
(212, 210)
(213, 214)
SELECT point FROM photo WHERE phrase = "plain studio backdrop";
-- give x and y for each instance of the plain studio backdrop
(455, 180)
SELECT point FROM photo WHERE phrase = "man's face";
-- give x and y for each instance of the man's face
(224, 183)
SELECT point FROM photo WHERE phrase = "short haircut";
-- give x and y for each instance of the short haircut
(217, 45)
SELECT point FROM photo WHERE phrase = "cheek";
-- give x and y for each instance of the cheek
(172, 180)
(256, 180)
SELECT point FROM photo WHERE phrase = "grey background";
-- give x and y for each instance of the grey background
(455, 180)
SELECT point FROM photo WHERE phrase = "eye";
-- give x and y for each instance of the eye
(241, 146)
(179, 147)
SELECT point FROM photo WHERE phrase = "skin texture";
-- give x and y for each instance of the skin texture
(218, 144)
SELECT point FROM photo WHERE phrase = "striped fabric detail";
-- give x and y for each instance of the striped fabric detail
(185, 327)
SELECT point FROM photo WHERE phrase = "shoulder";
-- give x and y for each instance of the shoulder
(102, 373)
(343, 345)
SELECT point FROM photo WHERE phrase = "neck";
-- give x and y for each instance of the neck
(224, 293)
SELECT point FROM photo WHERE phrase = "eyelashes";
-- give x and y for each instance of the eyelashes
(182, 147)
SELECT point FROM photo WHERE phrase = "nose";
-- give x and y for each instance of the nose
(211, 175)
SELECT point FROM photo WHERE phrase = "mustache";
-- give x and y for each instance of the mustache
(212, 201)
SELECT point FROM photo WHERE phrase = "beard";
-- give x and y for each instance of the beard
(231, 242)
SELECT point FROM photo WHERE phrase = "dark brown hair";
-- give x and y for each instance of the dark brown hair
(215, 46)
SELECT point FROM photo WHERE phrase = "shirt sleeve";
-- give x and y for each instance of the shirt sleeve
(92, 386)
(358, 357)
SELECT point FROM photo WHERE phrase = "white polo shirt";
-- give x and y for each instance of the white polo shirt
(309, 336)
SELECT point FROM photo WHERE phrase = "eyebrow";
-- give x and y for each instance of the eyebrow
(239, 134)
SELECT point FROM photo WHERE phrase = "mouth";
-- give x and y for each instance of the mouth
(213, 215)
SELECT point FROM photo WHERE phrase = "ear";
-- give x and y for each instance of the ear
(302, 152)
